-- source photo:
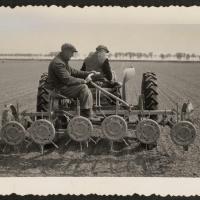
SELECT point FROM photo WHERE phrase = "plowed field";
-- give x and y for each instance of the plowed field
(177, 82)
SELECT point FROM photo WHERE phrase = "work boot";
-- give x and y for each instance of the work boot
(88, 113)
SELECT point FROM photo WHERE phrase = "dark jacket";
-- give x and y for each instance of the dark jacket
(98, 62)
(61, 74)
(105, 68)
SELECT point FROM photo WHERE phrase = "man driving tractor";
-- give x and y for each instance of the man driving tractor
(70, 82)
(98, 61)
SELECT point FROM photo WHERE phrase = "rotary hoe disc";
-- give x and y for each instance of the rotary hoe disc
(13, 133)
(114, 127)
(147, 131)
(80, 129)
(183, 133)
(42, 132)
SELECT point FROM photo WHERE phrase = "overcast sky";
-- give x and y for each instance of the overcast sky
(42, 30)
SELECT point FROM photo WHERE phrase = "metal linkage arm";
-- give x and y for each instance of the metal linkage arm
(109, 94)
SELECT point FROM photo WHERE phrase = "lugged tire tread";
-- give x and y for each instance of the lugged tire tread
(43, 94)
(149, 91)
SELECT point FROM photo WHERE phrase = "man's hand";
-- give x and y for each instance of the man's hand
(95, 72)
(89, 77)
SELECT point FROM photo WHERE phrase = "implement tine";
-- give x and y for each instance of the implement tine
(42, 149)
(4, 148)
(67, 143)
(87, 144)
(93, 140)
(55, 145)
(28, 143)
(81, 147)
(111, 146)
(125, 142)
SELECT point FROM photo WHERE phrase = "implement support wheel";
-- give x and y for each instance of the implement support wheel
(148, 131)
(80, 129)
(42, 132)
(183, 133)
(114, 127)
(13, 133)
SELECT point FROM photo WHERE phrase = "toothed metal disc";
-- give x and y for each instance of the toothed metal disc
(183, 133)
(147, 131)
(80, 129)
(114, 127)
(42, 132)
(13, 133)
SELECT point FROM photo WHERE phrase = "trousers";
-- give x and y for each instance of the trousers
(82, 92)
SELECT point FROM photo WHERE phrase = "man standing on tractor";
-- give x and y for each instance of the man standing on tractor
(98, 61)
(69, 81)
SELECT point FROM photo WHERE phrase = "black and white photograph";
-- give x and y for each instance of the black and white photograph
(100, 92)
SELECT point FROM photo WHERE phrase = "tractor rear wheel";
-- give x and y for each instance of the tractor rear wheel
(42, 94)
(149, 92)
(150, 97)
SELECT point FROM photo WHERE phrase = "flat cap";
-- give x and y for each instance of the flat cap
(102, 47)
(68, 46)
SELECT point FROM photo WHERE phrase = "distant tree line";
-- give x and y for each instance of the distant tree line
(132, 55)
(151, 55)
(121, 55)
(19, 54)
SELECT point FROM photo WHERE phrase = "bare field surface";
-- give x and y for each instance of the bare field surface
(177, 82)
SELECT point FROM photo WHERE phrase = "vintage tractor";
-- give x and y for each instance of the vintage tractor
(56, 114)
